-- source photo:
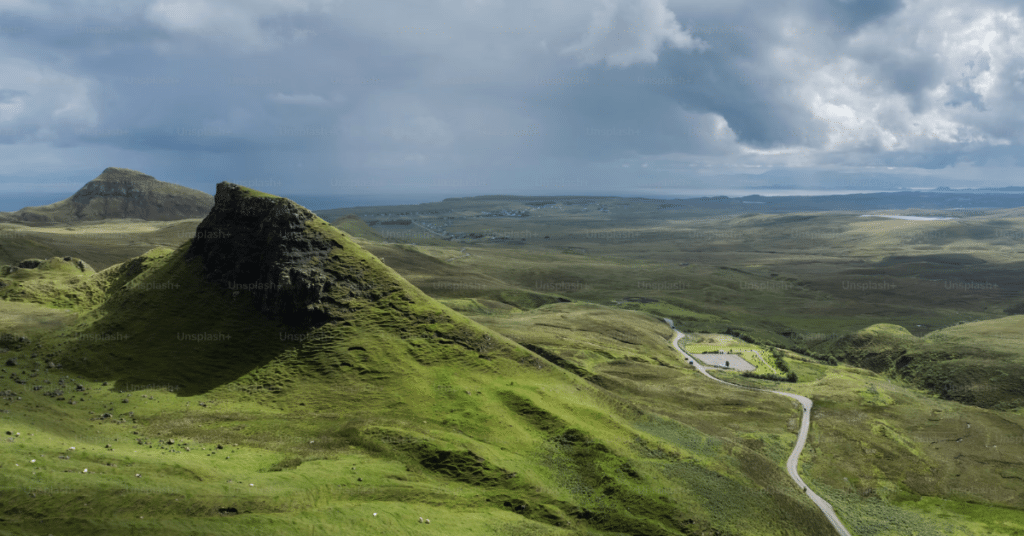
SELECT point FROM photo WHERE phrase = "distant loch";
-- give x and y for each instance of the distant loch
(914, 218)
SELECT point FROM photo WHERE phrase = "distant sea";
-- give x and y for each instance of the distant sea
(11, 201)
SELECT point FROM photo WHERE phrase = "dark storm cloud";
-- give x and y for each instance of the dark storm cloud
(850, 15)
(448, 99)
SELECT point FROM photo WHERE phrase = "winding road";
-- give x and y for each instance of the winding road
(805, 427)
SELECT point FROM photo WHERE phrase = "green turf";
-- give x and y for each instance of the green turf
(536, 395)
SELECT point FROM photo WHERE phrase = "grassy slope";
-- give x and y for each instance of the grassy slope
(356, 227)
(439, 414)
(402, 413)
(55, 282)
(976, 363)
(885, 454)
(352, 417)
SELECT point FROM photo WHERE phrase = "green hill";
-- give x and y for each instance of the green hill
(978, 363)
(120, 193)
(358, 228)
(270, 375)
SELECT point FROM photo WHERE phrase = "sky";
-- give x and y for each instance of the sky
(451, 98)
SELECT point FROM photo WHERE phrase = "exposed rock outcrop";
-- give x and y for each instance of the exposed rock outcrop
(273, 248)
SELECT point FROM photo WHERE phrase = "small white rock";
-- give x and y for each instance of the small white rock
(375, 514)
(33, 461)
(251, 485)
(85, 470)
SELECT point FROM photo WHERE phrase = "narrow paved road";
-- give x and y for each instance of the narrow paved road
(801, 439)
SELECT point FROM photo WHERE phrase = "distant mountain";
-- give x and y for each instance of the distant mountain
(121, 193)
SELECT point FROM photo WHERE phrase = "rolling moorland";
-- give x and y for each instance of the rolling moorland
(501, 366)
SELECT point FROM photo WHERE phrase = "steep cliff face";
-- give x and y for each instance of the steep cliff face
(295, 265)
(122, 193)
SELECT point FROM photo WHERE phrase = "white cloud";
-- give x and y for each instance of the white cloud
(626, 32)
(934, 74)
(440, 87)
(43, 101)
(231, 22)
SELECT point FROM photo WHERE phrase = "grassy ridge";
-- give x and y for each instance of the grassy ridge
(974, 363)
(430, 407)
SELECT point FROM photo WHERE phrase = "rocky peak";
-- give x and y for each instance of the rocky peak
(121, 193)
(270, 246)
(115, 182)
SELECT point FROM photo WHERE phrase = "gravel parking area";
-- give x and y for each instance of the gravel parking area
(718, 360)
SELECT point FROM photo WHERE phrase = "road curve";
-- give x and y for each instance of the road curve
(801, 439)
